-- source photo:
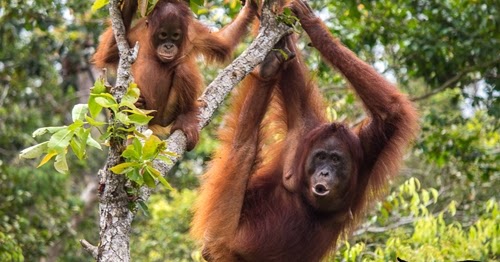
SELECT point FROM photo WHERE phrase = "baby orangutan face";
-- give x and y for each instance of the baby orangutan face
(168, 39)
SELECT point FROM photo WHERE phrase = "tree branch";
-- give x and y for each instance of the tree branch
(89, 248)
(455, 79)
(115, 216)
(401, 222)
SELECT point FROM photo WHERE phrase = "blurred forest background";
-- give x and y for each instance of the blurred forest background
(444, 206)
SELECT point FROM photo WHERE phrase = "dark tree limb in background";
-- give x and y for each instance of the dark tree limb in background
(115, 215)
(450, 82)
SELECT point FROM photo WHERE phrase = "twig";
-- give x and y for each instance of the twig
(89, 248)
(401, 222)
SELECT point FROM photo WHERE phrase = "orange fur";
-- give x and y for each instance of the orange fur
(254, 203)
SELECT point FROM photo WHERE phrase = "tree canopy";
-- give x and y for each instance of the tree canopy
(443, 206)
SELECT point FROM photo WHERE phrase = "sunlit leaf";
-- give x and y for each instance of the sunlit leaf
(165, 159)
(98, 4)
(148, 179)
(47, 157)
(98, 87)
(134, 110)
(93, 122)
(91, 142)
(194, 7)
(79, 112)
(151, 147)
(34, 151)
(76, 125)
(131, 154)
(43, 130)
(132, 94)
(135, 176)
(60, 164)
(164, 182)
(137, 145)
(94, 107)
(60, 140)
(105, 101)
(123, 168)
(122, 117)
(153, 170)
(77, 149)
(139, 119)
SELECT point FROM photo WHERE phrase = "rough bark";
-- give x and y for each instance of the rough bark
(115, 215)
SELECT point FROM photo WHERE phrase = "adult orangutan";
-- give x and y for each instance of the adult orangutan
(165, 71)
(291, 200)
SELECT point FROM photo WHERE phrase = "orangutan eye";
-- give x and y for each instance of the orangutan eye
(176, 36)
(335, 158)
(321, 156)
(163, 35)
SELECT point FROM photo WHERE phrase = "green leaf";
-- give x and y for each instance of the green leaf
(98, 4)
(132, 95)
(76, 126)
(34, 151)
(122, 117)
(94, 107)
(130, 153)
(194, 7)
(77, 149)
(435, 194)
(153, 171)
(43, 130)
(135, 176)
(127, 130)
(144, 208)
(61, 165)
(106, 100)
(60, 140)
(198, 2)
(134, 110)
(137, 144)
(165, 159)
(123, 168)
(47, 157)
(452, 207)
(79, 112)
(139, 119)
(164, 182)
(148, 178)
(99, 86)
(151, 145)
(91, 142)
(93, 122)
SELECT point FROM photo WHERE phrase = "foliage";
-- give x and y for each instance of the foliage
(10, 249)
(442, 53)
(406, 228)
(35, 207)
(138, 166)
(170, 217)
